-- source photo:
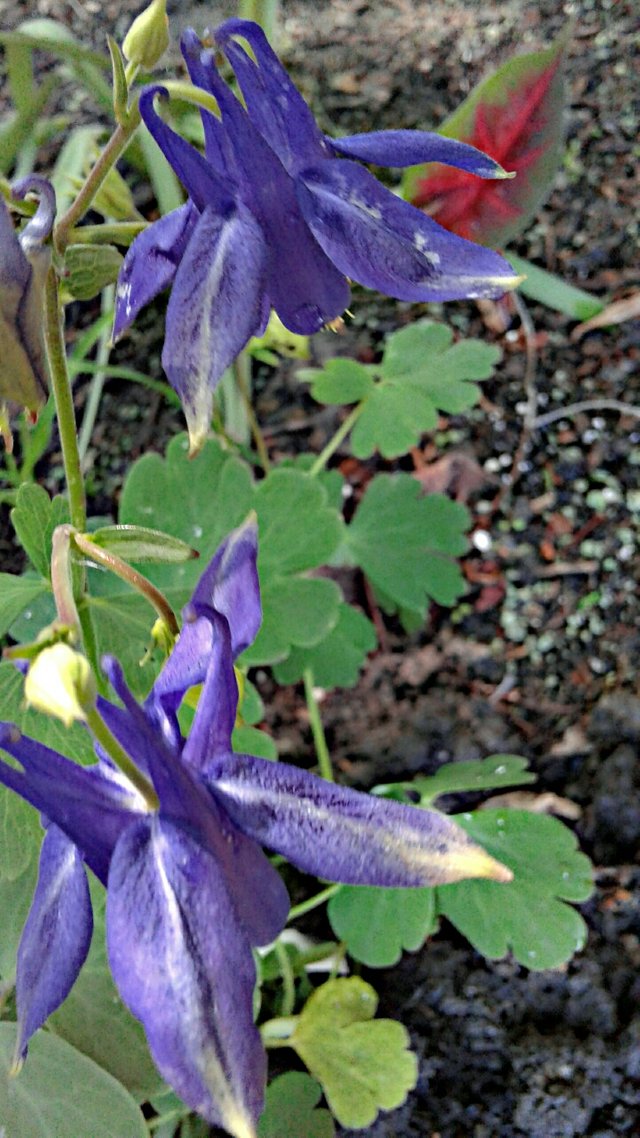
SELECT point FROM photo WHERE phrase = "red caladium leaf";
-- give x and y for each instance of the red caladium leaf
(515, 116)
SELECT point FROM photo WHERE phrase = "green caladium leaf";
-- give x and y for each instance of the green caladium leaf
(377, 924)
(528, 916)
(516, 116)
(16, 595)
(335, 661)
(406, 542)
(362, 1064)
(94, 1020)
(290, 1109)
(34, 518)
(60, 1091)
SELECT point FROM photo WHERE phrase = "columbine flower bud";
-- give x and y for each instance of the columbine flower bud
(148, 37)
(60, 682)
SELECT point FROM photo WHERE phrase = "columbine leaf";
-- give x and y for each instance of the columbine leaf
(290, 1111)
(17, 594)
(340, 381)
(421, 374)
(20, 841)
(377, 924)
(363, 1066)
(336, 661)
(251, 741)
(406, 542)
(476, 774)
(298, 531)
(60, 1091)
(34, 518)
(515, 116)
(199, 501)
(528, 915)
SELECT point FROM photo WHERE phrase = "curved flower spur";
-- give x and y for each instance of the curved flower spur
(24, 261)
(189, 890)
(280, 216)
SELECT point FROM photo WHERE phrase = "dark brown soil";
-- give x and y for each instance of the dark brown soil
(541, 658)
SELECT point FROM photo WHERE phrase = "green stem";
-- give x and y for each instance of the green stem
(63, 397)
(312, 902)
(288, 983)
(317, 730)
(334, 443)
(116, 145)
(242, 374)
(97, 383)
(121, 758)
(132, 577)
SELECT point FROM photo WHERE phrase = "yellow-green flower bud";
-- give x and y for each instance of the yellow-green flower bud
(148, 37)
(60, 682)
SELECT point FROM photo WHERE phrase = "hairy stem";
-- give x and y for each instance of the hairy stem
(61, 385)
(334, 443)
(317, 730)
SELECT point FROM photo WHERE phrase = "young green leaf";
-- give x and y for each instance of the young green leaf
(60, 1091)
(377, 924)
(363, 1065)
(406, 542)
(528, 916)
(34, 518)
(290, 1109)
(552, 290)
(335, 661)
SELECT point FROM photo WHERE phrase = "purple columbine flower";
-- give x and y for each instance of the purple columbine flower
(280, 216)
(24, 261)
(189, 889)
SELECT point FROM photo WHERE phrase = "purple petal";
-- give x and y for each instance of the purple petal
(210, 734)
(302, 284)
(386, 244)
(413, 147)
(205, 185)
(218, 149)
(56, 937)
(275, 105)
(340, 834)
(214, 308)
(183, 966)
(151, 263)
(186, 802)
(89, 807)
(229, 585)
